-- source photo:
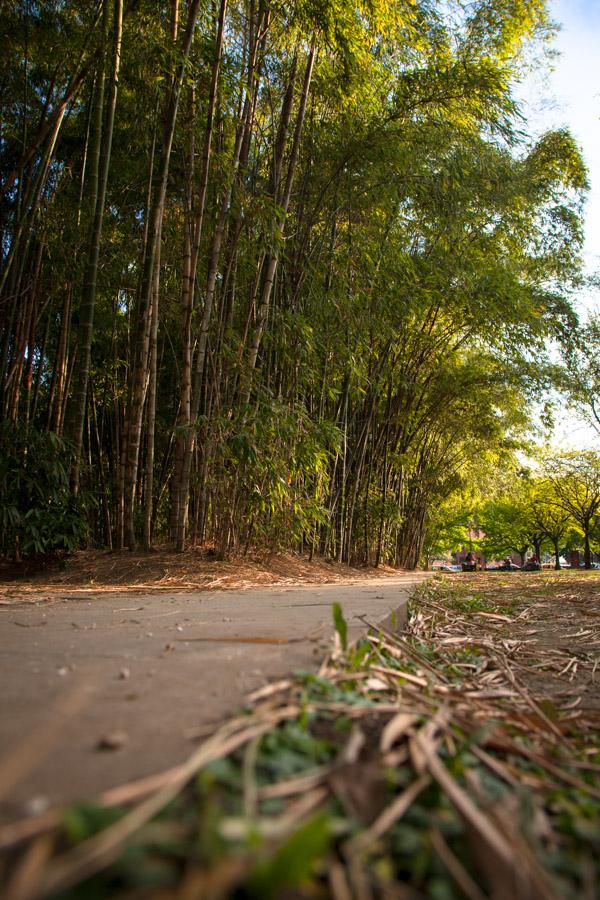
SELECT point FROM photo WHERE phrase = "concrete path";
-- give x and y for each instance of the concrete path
(152, 668)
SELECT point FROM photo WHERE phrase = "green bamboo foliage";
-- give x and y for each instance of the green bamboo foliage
(288, 269)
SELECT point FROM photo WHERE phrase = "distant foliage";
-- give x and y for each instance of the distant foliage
(38, 513)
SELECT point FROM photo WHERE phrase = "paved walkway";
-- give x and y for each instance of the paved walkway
(144, 672)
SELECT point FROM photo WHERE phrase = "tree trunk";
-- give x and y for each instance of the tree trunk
(60, 367)
(139, 374)
(52, 124)
(185, 441)
(101, 153)
(240, 154)
(587, 552)
(523, 553)
(151, 413)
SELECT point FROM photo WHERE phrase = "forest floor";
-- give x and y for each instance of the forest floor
(459, 757)
(162, 570)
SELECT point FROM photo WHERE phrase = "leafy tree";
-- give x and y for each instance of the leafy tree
(582, 374)
(282, 272)
(508, 528)
(575, 478)
(548, 516)
(447, 530)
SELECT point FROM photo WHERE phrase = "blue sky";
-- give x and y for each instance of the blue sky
(569, 95)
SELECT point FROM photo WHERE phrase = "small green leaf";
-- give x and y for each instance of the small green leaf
(293, 862)
(341, 626)
(86, 819)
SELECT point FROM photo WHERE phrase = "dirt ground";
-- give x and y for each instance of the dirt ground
(162, 570)
(551, 632)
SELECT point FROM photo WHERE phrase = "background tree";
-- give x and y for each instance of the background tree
(548, 516)
(447, 530)
(575, 480)
(508, 528)
(582, 381)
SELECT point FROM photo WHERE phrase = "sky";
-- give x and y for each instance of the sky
(569, 95)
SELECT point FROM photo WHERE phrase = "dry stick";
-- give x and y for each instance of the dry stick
(216, 882)
(390, 815)
(102, 849)
(298, 785)
(501, 849)
(249, 784)
(517, 749)
(406, 648)
(356, 710)
(456, 869)
(534, 706)
(395, 729)
(28, 872)
(276, 828)
(430, 734)
(269, 690)
(397, 673)
(338, 883)
(26, 829)
(498, 768)
(588, 767)
(435, 606)
(360, 880)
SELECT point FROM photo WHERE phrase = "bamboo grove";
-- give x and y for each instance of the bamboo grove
(272, 273)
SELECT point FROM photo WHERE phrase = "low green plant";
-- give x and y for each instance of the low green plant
(39, 514)
(341, 626)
